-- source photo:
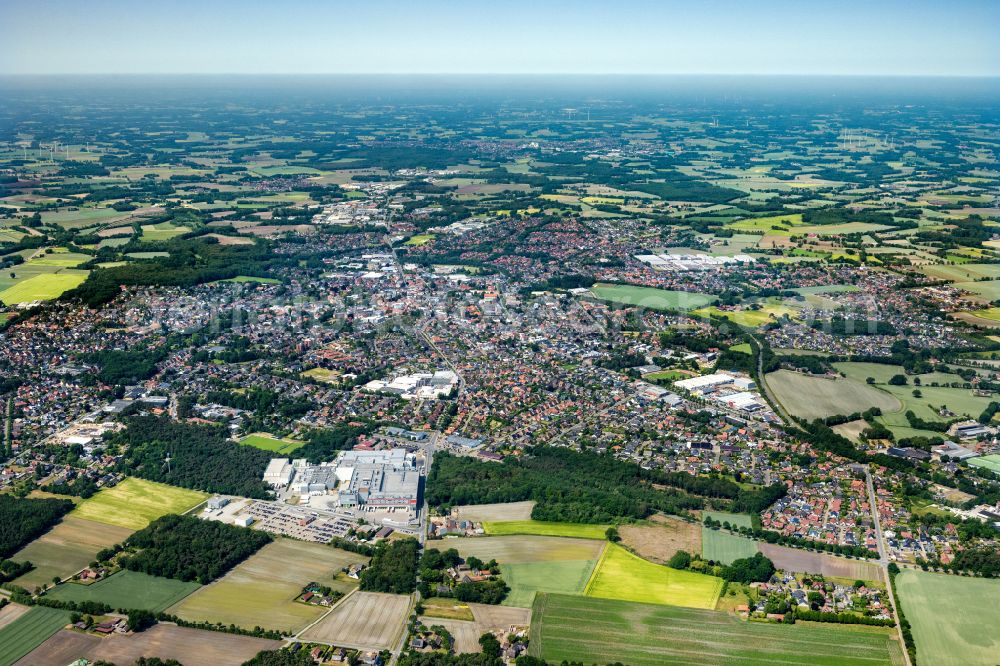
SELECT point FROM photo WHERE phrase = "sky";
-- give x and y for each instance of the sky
(815, 37)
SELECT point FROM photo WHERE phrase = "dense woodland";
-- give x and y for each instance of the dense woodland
(188, 548)
(393, 567)
(581, 487)
(201, 457)
(23, 520)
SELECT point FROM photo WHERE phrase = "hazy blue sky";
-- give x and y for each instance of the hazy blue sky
(946, 37)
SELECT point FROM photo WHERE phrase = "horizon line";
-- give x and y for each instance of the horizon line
(525, 74)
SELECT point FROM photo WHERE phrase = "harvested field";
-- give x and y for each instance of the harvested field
(496, 512)
(811, 397)
(605, 631)
(261, 591)
(523, 548)
(66, 548)
(793, 559)
(11, 612)
(851, 430)
(486, 618)
(166, 641)
(662, 538)
(363, 620)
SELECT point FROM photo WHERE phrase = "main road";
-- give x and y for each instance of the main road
(883, 560)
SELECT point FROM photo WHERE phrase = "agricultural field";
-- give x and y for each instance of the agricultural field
(481, 619)
(735, 519)
(128, 589)
(606, 631)
(42, 287)
(66, 548)
(750, 317)
(649, 297)
(262, 440)
(420, 239)
(775, 224)
(196, 647)
(135, 503)
(530, 564)
(803, 561)
(543, 528)
(162, 231)
(991, 462)
(322, 375)
(622, 575)
(363, 620)
(28, 631)
(962, 272)
(261, 591)
(954, 618)
(722, 546)
(661, 537)
(507, 511)
(249, 279)
(811, 397)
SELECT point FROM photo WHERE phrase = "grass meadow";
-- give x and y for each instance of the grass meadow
(954, 618)
(128, 589)
(261, 440)
(652, 298)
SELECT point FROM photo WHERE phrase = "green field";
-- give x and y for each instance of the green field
(961, 401)
(624, 576)
(29, 631)
(240, 279)
(749, 317)
(525, 579)
(531, 564)
(721, 546)
(162, 231)
(420, 239)
(134, 503)
(42, 287)
(606, 631)
(774, 224)
(649, 297)
(991, 462)
(128, 589)
(811, 397)
(268, 443)
(542, 528)
(954, 618)
(735, 519)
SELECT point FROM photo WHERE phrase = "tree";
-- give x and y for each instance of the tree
(611, 534)
(897, 380)
(680, 560)
(140, 619)
(490, 645)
